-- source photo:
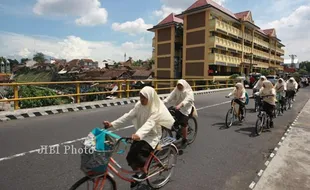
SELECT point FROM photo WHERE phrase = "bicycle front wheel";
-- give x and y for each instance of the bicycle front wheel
(87, 183)
(159, 175)
(229, 118)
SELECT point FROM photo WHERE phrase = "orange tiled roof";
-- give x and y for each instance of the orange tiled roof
(202, 3)
(169, 20)
(242, 15)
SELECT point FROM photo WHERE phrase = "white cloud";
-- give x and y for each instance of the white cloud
(176, 6)
(132, 27)
(90, 12)
(293, 30)
(72, 47)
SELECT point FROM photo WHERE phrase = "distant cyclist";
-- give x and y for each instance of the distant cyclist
(291, 87)
(183, 97)
(269, 100)
(280, 88)
(259, 84)
(240, 97)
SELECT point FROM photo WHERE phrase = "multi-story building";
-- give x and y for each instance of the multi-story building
(209, 41)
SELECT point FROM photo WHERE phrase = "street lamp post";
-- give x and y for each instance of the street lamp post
(293, 57)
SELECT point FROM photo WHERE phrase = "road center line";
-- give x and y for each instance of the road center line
(80, 139)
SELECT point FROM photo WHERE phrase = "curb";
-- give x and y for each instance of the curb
(79, 107)
(273, 153)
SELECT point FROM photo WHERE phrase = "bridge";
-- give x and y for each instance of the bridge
(220, 158)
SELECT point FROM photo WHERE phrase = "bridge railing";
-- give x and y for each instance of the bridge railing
(124, 88)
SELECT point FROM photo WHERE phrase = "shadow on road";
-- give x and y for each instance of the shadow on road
(247, 131)
(221, 125)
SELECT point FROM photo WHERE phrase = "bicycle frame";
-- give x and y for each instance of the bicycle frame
(120, 172)
(235, 110)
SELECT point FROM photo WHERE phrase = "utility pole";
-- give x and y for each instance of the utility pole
(293, 57)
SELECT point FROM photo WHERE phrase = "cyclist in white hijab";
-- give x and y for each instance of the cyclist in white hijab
(240, 98)
(280, 88)
(269, 99)
(183, 97)
(148, 116)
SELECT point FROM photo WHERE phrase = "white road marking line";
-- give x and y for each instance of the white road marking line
(276, 149)
(80, 139)
(271, 155)
(252, 185)
(266, 163)
(260, 173)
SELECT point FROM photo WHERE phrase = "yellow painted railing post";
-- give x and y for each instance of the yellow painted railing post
(207, 84)
(226, 83)
(78, 90)
(194, 85)
(127, 89)
(156, 86)
(119, 94)
(16, 107)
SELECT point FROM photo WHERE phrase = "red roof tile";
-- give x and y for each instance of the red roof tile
(201, 3)
(242, 15)
(268, 31)
(170, 19)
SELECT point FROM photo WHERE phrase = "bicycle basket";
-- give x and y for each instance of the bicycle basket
(97, 161)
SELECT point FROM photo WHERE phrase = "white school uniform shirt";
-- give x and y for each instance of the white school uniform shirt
(148, 120)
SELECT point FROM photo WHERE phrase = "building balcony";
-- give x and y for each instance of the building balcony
(279, 59)
(261, 53)
(223, 59)
(260, 64)
(153, 42)
(247, 49)
(248, 37)
(280, 50)
(225, 43)
(261, 42)
(217, 24)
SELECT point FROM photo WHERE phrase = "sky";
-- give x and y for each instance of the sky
(108, 29)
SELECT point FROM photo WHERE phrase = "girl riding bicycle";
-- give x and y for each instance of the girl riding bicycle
(183, 97)
(280, 88)
(240, 98)
(148, 117)
(269, 100)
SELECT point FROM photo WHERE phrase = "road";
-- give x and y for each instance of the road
(219, 159)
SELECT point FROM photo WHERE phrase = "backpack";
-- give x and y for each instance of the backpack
(246, 98)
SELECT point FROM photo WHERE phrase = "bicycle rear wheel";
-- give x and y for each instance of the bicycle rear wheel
(229, 118)
(259, 126)
(168, 156)
(87, 183)
(192, 130)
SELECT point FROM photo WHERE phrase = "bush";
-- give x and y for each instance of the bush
(32, 91)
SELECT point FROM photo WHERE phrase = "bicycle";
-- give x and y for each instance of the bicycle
(279, 107)
(290, 96)
(102, 178)
(176, 130)
(263, 120)
(234, 113)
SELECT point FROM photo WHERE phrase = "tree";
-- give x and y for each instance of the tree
(138, 62)
(302, 72)
(265, 72)
(305, 65)
(39, 57)
(24, 60)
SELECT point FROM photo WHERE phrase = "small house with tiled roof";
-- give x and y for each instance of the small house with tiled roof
(216, 43)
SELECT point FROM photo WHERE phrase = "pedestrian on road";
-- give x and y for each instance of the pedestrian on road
(183, 97)
(269, 101)
(148, 116)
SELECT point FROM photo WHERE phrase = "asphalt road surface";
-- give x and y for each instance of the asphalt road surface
(219, 159)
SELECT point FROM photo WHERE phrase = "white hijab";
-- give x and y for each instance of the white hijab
(155, 109)
(260, 82)
(238, 93)
(280, 85)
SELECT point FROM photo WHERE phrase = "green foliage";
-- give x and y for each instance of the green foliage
(234, 76)
(302, 72)
(305, 65)
(39, 57)
(24, 60)
(33, 91)
(265, 72)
